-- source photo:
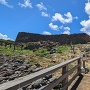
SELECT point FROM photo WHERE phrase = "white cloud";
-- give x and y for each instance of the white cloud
(53, 27)
(26, 4)
(61, 27)
(86, 26)
(66, 30)
(5, 3)
(87, 8)
(44, 14)
(75, 17)
(5, 37)
(41, 6)
(58, 17)
(46, 33)
(86, 23)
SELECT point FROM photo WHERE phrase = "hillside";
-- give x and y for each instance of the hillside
(81, 38)
(19, 62)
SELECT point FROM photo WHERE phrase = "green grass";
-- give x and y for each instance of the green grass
(32, 62)
(9, 51)
(70, 67)
(50, 65)
(62, 49)
(58, 87)
(41, 52)
(6, 50)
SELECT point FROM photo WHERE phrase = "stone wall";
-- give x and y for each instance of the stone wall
(62, 38)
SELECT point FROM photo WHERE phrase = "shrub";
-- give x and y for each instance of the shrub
(32, 46)
(41, 52)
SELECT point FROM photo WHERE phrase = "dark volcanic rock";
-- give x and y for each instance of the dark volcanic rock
(13, 68)
(37, 84)
(37, 69)
(62, 39)
(48, 76)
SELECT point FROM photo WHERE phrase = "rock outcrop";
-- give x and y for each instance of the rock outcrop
(62, 39)
(14, 67)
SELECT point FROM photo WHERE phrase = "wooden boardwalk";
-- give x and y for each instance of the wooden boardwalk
(23, 81)
(77, 82)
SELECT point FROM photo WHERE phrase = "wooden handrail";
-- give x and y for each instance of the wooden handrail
(54, 83)
(23, 81)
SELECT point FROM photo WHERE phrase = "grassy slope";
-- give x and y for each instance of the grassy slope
(43, 57)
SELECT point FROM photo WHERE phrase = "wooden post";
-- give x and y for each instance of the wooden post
(14, 47)
(10, 45)
(5, 44)
(79, 68)
(64, 70)
(83, 63)
(1, 43)
(21, 47)
(84, 58)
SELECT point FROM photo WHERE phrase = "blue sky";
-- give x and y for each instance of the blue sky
(44, 17)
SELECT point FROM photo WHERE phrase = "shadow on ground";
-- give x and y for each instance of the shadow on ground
(74, 87)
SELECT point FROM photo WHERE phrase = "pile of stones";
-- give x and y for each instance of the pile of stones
(11, 68)
(40, 83)
(42, 44)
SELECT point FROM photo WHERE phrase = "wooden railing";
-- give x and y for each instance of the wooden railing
(23, 81)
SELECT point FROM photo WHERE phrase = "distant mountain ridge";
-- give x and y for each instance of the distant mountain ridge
(25, 37)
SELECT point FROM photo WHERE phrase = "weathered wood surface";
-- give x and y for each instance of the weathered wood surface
(22, 81)
(55, 82)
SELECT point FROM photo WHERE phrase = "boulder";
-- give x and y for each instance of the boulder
(36, 69)
(37, 84)
(48, 76)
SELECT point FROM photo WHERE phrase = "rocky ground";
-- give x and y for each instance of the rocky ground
(15, 67)
(12, 67)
